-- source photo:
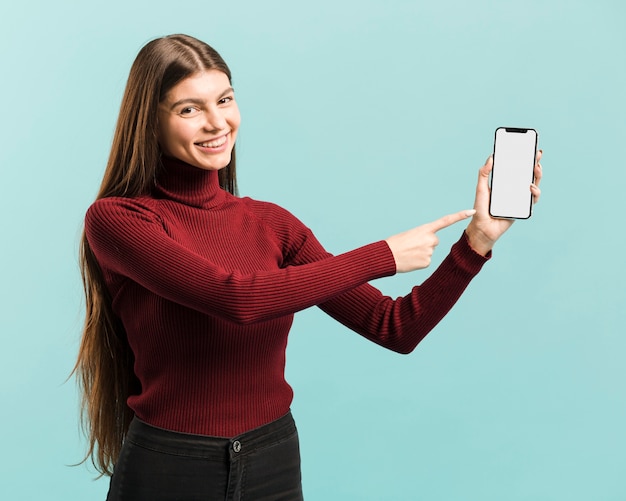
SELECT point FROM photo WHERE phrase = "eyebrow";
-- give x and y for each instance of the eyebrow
(195, 100)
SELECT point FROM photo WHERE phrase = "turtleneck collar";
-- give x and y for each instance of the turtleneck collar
(189, 185)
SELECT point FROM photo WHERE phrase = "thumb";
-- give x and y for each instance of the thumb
(485, 170)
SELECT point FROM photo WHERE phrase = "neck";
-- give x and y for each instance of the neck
(188, 185)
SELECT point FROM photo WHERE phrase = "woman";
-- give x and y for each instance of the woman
(191, 293)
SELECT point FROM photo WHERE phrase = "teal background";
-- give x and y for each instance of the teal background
(364, 119)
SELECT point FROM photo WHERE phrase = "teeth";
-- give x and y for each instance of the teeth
(214, 144)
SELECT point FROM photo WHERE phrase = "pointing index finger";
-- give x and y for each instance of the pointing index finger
(450, 219)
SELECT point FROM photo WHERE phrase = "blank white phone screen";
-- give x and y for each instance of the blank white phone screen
(513, 172)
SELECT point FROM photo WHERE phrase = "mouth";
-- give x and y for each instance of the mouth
(214, 143)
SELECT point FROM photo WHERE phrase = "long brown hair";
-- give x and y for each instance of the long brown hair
(104, 368)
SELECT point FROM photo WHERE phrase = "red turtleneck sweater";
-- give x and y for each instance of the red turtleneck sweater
(206, 285)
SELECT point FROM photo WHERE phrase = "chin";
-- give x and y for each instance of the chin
(213, 166)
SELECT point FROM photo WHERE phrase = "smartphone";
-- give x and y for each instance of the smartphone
(514, 152)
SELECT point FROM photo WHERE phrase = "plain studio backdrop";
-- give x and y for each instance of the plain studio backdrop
(363, 118)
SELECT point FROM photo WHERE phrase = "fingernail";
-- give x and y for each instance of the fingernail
(470, 212)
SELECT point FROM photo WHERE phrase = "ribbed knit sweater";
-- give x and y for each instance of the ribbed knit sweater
(206, 285)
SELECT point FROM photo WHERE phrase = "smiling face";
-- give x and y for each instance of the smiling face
(198, 121)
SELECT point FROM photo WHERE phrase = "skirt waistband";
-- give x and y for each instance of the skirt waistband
(207, 447)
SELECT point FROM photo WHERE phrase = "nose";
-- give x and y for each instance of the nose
(215, 120)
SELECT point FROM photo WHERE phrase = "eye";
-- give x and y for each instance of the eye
(189, 111)
(226, 99)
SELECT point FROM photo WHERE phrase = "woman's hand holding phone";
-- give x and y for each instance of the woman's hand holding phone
(484, 230)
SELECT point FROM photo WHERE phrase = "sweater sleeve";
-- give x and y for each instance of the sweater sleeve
(129, 239)
(397, 324)
(400, 324)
